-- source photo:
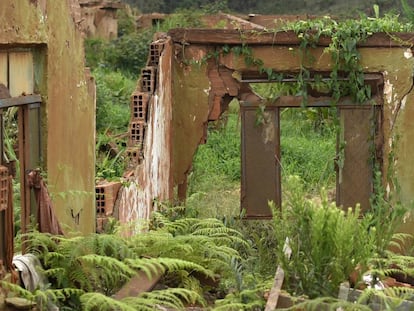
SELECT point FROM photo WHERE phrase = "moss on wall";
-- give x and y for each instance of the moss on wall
(68, 116)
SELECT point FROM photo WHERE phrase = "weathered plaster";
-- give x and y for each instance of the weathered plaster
(68, 122)
(190, 113)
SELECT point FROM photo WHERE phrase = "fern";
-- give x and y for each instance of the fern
(251, 299)
(100, 302)
(105, 274)
(42, 297)
(390, 297)
(175, 298)
(98, 265)
(329, 304)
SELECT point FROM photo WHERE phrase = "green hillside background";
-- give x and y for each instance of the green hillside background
(316, 7)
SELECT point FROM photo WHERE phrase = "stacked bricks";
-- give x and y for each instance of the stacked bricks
(148, 75)
(136, 134)
(4, 187)
(139, 106)
(155, 53)
(134, 155)
(140, 102)
(106, 195)
(137, 124)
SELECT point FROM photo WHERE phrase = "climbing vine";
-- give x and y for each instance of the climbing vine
(347, 75)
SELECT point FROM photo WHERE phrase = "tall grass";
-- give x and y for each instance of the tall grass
(214, 184)
(308, 148)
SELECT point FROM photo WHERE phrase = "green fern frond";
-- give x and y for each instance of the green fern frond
(174, 264)
(153, 266)
(39, 243)
(150, 266)
(99, 302)
(391, 296)
(328, 303)
(51, 257)
(108, 264)
(54, 272)
(18, 290)
(250, 299)
(174, 298)
(105, 273)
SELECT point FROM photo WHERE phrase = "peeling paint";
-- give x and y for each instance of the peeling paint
(408, 53)
(403, 102)
(388, 88)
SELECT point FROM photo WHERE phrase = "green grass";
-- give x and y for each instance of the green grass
(214, 187)
(308, 144)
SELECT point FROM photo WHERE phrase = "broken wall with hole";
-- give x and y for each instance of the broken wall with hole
(47, 31)
(203, 82)
(379, 55)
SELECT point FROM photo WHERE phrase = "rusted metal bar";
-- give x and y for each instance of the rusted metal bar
(260, 151)
(297, 101)
(20, 100)
(23, 116)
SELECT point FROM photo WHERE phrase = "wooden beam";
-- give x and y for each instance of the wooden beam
(297, 101)
(268, 37)
(278, 282)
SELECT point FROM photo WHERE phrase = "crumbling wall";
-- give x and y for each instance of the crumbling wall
(99, 18)
(150, 143)
(202, 81)
(380, 54)
(48, 28)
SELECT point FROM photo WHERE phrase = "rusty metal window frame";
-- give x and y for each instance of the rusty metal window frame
(376, 103)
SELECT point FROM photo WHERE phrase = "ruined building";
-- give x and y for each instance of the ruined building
(99, 18)
(193, 74)
(42, 74)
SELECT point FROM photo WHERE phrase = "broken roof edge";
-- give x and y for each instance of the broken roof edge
(271, 37)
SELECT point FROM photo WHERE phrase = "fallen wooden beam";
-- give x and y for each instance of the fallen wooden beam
(138, 284)
(278, 281)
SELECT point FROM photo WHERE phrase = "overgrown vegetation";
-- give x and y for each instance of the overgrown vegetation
(335, 7)
(206, 253)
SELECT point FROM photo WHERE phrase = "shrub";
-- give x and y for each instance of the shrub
(327, 243)
(113, 98)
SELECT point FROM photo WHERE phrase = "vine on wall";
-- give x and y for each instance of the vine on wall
(347, 75)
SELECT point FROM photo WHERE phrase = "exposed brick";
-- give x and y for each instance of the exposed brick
(4, 188)
(139, 106)
(105, 198)
(100, 224)
(135, 156)
(155, 53)
(148, 76)
(136, 133)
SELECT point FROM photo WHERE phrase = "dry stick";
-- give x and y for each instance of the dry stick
(278, 282)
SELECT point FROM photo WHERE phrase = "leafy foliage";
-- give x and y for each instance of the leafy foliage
(113, 97)
(327, 243)
(267, 6)
(88, 270)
